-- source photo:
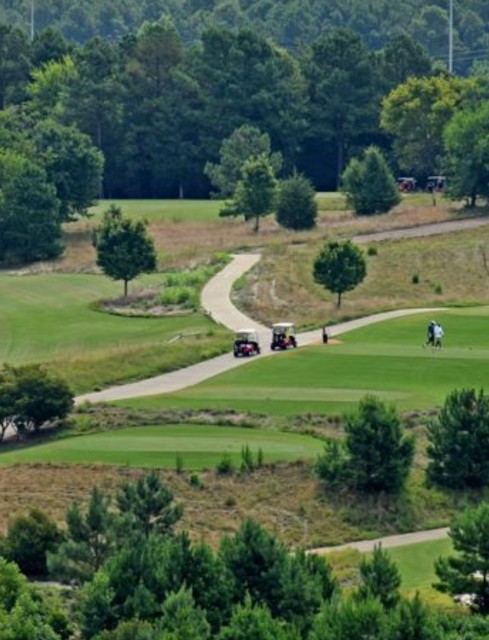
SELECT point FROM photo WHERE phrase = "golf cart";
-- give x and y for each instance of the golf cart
(436, 184)
(283, 336)
(406, 185)
(246, 343)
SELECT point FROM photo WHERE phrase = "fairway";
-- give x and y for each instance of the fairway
(163, 210)
(198, 447)
(416, 562)
(49, 317)
(385, 359)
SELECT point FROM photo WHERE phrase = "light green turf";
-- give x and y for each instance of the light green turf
(48, 317)
(386, 359)
(163, 210)
(200, 446)
(416, 562)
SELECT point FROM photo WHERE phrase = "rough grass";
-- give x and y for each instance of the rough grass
(450, 271)
(285, 498)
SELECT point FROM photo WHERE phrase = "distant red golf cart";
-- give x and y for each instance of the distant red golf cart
(246, 343)
(283, 336)
(406, 184)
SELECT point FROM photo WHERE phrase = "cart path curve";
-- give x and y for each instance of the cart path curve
(216, 300)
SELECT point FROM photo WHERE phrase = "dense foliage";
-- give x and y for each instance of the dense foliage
(466, 572)
(30, 397)
(297, 207)
(458, 441)
(290, 23)
(174, 116)
(376, 455)
(369, 185)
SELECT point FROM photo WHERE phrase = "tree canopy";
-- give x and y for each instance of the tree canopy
(339, 267)
(124, 248)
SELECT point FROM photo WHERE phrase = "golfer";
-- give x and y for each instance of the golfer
(438, 335)
(430, 337)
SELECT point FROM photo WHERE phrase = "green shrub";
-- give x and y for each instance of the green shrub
(225, 466)
(372, 251)
(196, 481)
(247, 462)
(415, 279)
(438, 289)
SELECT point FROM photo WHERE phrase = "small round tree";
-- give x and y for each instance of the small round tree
(339, 267)
(124, 248)
(369, 185)
(255, 195)
(297, 207)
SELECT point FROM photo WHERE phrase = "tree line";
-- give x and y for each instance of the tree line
(159, 110)
(148, 116)
(292, 24)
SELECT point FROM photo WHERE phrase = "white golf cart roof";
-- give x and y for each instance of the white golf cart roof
(246, 332)
(283, 325)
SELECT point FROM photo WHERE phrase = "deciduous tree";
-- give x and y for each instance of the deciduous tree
(255, 195)
(339, 267)
(244, 143)
(32, 397)
(416, 113)
(72, 164)
(124, 248)
(466, 141)
(29, 211)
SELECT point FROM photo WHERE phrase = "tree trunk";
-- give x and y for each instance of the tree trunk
(340, 154)
(125, 288)
(338, 301)
(473, 200)
(257, 224)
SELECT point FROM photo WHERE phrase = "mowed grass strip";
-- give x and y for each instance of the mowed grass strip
(198, 447)
(386, 359)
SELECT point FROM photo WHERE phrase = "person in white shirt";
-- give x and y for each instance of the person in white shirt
(438, 334)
